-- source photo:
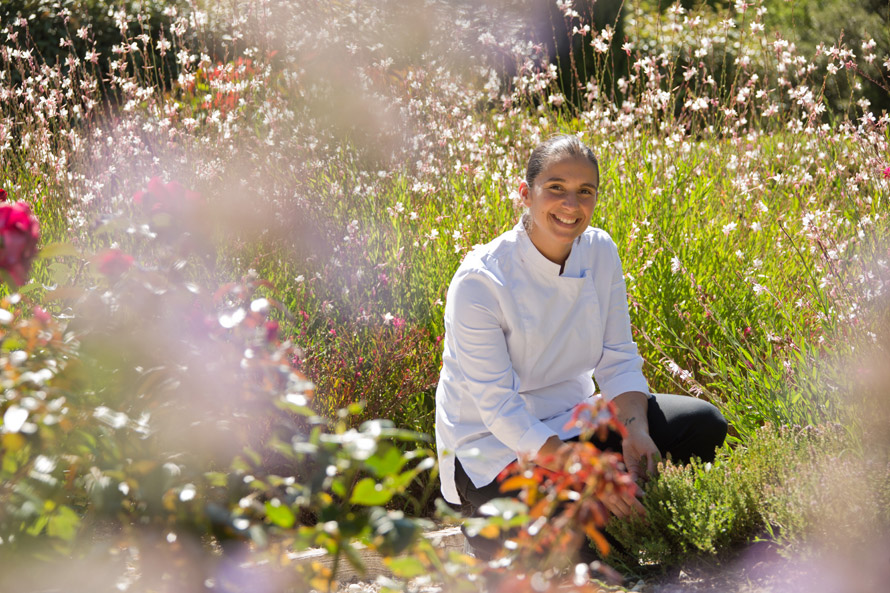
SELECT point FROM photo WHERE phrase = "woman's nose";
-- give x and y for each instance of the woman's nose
(571, 198)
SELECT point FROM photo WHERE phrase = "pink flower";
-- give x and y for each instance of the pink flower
(271, 331)
(887, 173)
(19, 233)
(171, 197)
(41, 315)
(114, 262)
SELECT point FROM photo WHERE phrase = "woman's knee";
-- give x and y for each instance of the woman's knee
(711, 427)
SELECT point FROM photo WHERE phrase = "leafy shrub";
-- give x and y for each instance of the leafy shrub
(787, 482)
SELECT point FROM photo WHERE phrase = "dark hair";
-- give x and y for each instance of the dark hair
(562, 145)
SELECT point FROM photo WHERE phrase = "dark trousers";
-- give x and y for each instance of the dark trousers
(682, 426)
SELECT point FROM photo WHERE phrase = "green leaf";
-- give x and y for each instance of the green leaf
(503, 507)
(38, 525)
(369, 493)
(388, 463)
(63, 524)
(406, 567)
(60, 272)
(354, 557)
(280, 515)
(338, 487)
(57, 250)
(218, 479)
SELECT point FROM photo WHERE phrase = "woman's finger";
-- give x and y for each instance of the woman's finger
(650, 464)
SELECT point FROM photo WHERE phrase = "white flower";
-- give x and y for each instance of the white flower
(728, 228)
(676, 266)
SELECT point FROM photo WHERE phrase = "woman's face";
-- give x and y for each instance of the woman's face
(560, 203)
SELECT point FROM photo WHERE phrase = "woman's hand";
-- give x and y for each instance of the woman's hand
(641, 456)
(640, 453)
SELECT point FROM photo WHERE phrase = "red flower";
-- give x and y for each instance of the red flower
(19, 233)
(3, 195)
(114, 262)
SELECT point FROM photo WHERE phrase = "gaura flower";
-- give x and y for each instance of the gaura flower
(19, 233)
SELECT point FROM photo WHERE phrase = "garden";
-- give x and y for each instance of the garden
(227, 231)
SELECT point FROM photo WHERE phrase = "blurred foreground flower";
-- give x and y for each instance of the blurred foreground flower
(19, 233)
(113, 262)
(169, 198)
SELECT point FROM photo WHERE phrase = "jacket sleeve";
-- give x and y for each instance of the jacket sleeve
(621, 367)
(480, 349)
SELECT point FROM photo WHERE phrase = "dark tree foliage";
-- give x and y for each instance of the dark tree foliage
(49, 21)
(807, 23)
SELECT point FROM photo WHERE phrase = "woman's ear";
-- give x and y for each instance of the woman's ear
(524, 190)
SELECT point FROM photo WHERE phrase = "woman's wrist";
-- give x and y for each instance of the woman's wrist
(550, 447)
(631, 409)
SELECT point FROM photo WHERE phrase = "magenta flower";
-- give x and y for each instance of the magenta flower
(114, 262)
(19, 233)
(887, 173)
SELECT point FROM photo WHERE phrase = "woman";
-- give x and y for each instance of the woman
(529, 318)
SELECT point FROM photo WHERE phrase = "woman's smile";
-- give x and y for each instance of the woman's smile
(565, 220)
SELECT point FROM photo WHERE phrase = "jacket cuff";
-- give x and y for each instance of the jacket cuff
(534, 438)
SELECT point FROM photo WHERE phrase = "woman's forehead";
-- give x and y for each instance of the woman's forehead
(573, 166)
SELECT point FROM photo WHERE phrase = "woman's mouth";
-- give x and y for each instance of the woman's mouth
(564, 221)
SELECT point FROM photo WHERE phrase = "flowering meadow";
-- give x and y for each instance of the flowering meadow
(228, 230)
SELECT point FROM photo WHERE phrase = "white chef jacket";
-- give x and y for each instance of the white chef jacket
(521, 344)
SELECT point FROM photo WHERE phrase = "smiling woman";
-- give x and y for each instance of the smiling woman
(530, 318)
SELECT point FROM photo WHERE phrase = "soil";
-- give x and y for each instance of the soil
(760, 568)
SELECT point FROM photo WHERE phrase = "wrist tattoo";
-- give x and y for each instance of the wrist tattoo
(629, 420)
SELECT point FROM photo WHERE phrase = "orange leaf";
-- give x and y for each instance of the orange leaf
(517, 482)
(490, 531)
(598, 539)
